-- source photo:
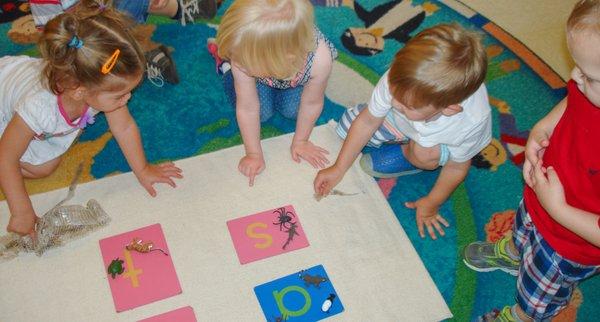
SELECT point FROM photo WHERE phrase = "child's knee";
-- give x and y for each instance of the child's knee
(422, 157)
(289, 112)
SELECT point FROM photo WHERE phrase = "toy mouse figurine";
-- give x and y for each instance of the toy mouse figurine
(139, 246)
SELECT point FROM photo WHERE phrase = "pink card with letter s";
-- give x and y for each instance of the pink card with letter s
(143, 274)
(267, 234)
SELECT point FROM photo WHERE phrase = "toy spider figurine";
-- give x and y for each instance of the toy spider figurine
(284, 218)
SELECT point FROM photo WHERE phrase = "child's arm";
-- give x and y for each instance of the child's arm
(127, 134)
(452, 174)
(360, 132)
(13, 144)
(539, 138)
(247, 111)
(551, 195)
(311, 106)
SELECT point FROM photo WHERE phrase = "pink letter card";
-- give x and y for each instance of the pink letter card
(184, 314)
(139, 267)
(267, 234)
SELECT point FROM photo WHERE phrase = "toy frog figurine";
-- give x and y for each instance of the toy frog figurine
(116, 267)
(139, 246)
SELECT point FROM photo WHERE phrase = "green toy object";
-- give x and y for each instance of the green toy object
(116, 267)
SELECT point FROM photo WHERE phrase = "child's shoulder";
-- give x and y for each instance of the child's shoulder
(9, 62)
(478, 105)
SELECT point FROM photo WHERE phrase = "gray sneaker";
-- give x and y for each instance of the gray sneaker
(487, 257)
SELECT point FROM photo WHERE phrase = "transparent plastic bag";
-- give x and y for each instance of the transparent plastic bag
(57, 226)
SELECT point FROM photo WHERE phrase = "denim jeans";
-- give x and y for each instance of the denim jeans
(285, 101)
(136, 9)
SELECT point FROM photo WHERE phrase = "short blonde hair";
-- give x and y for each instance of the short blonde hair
(102, 30)
(585, 16)
(267, 37)
(440, 66)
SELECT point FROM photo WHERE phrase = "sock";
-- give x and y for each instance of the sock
(510, 253)
(177, 15)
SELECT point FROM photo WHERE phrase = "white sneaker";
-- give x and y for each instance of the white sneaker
(154, 75)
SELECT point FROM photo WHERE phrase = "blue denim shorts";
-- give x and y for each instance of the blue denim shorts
(136, 9)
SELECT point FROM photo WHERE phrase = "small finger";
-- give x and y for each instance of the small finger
(321, 150)
(431, 231)
(251, 179)
(295, 157)
(438, 228)
(168, 181)
(151, 190)
(411, 205)
(443, 221)
(173, 174)
(538, 174)
(320, 163)
(323, 159)
(420, 227)
(552, 176)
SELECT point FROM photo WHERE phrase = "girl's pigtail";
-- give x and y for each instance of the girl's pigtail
(60, 44)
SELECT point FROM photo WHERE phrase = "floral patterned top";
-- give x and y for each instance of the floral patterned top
(303, 76)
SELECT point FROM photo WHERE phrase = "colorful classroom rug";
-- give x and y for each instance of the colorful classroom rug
(194, 117)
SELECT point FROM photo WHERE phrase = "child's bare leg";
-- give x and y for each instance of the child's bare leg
(31, 171)
(522, 314)
(422, 157)
(163, 7)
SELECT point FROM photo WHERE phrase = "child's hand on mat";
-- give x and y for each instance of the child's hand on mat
(22, 224)
(548, 188)
(534, 150)
(251, 165)
(428, 216)
(326, 180)
(163, 172)
(313, 154)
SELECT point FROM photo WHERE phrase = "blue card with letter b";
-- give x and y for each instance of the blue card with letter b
(306, 295)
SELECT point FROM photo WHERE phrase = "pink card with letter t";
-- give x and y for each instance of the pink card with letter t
(267, 234)
(142, 274)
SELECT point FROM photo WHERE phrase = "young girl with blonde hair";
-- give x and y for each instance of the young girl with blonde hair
(89, 64)
(278, 61)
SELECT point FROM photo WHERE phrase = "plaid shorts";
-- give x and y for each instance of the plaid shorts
(386, 133)
(546, 280)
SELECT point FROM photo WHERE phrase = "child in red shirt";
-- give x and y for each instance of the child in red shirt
(556, 239)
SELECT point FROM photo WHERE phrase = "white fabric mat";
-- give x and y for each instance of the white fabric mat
(368, 257)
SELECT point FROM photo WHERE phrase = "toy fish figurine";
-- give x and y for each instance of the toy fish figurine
(139, 246)
(334, 192)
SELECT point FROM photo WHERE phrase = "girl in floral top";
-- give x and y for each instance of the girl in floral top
(278, 61)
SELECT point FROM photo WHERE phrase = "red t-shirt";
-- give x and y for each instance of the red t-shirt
(574, 152)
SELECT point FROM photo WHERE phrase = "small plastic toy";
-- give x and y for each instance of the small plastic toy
(116, 267)
(139, 246)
